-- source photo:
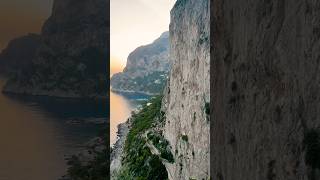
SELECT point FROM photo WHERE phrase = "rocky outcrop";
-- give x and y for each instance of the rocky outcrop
(117, 153)
(186, 99)
(72, 60)
(265, 90)
(18, 55)
(146, 70)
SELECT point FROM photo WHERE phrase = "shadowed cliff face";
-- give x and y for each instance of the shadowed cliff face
(186, 99)
(265, 90)
(18, 55)
(72, 60)
(76, 25)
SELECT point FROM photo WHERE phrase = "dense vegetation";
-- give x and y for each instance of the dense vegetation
(162, 145)
(312, 146)
(152, 83)
(139, 162)
(82, 75)
(95, 169)
(312, 151)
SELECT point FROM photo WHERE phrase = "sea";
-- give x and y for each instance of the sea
(121, 107)
(38, 133)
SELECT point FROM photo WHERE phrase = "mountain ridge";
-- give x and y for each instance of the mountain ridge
(146, 69)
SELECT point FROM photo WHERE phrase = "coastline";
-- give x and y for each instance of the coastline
(132, 91)
(118, 147)
(53, 94)
(123, 129)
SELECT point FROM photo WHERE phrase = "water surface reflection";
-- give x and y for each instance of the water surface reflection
(36, 133)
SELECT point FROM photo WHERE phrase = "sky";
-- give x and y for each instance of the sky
(135, 23)
(20, 17)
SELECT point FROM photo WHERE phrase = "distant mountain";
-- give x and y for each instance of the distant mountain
(18, 55)
(146, 70)
(72, 58)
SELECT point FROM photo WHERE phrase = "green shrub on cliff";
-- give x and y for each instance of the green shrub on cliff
(162, 145)
(138, 161)
(96, 168)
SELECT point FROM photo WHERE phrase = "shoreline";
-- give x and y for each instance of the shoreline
(53, 94)
(118, 147)
(131, 91)
(23, 91)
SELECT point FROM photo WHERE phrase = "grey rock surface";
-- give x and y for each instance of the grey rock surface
(265, 89)
(187, 125)
(118, 148)
(152, 57)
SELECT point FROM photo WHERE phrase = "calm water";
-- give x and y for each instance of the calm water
(121, 106)
(36, 133)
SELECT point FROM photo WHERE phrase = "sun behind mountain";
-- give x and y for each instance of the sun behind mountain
(116, 65)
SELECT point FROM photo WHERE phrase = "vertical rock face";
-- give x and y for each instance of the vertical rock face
(265, 90)
(186, 99)
(76, 25)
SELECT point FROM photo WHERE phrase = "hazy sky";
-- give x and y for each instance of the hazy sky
(20, 17)
(135, 23)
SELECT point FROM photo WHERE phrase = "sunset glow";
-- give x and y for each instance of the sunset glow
(135, 23)
(116, 65)
(20, 17)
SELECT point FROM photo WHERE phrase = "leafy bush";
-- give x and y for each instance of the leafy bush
(207, 108)
(168, 156)
(97, 169)
(162, 145)
(185, 138)
(145, 83)
(142, 164)
(143, 120)
(312, 147)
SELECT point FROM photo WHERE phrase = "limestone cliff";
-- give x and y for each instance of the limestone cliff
(265, 90)
(72, 59)
(186, 99)
(146, 69)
